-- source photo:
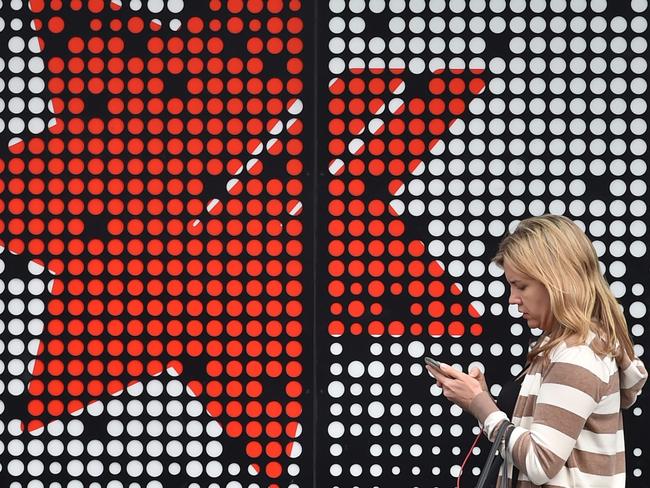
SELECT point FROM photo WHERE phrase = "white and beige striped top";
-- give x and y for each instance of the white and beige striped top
(568, 420)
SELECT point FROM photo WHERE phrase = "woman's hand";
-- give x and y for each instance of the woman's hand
(478, 375)
(460, 388)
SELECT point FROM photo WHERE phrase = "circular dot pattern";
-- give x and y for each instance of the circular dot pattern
(162, 338)
(448, 123)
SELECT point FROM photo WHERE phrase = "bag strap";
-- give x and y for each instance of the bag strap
(515, 469)
(504, 476)
(491, 458)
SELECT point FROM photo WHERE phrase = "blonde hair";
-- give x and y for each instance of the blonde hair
(556, 252)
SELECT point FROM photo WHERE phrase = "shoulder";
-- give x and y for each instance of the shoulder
(582, 356)
(576, 375)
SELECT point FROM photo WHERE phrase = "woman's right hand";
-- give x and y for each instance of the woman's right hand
(477, 374)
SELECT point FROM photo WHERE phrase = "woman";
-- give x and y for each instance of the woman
(568, 425)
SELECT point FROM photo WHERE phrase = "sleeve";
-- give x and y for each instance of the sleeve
(633, 375)
(568, 394)
(487, 413)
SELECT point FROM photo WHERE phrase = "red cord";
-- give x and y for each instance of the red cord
(469, 453)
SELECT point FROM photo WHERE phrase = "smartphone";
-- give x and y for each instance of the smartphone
(432, 362)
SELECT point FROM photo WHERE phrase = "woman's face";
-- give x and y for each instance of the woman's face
(531, 298)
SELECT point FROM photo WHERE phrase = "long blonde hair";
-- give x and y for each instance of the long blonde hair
(556, 252)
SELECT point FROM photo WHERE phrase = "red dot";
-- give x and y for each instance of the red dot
(436, 86)
(416, 329)
(436, 329)
(436, 309)
(56, 24)
(476, 85)
(457, 106)
(456, 329)
(457, 86)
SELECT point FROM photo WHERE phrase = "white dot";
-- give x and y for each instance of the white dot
(155, 6)
(36, 286)
(194, 469)
(36, 306)
(16, 306)
(617, 269)
(516, 329)
(397, 6)
(456, 430)
(175, 6)
(16, 286)
(194, 408)
(75, 427)
(175, 24)
(174, 388)
(496, 349)
(515, 369)
(638, 249)
(15, 327)
(637, 330)
(356, 369)
(637, 310)
(336, 389)
(618, 289)
(16, 44)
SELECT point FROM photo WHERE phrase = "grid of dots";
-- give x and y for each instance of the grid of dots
(552, 119)
(514, 108)
(165, 201)
(23, 99)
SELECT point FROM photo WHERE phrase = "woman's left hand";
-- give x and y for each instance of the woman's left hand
(458, 387)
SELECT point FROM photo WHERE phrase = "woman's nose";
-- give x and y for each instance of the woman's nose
(514, 299)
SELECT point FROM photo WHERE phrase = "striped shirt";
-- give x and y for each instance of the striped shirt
(568, 420)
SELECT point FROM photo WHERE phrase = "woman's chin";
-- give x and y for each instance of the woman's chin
(532, 324)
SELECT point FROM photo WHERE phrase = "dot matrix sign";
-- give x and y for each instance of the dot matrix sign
(153, 255)
(447, 123)
(158, 251)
